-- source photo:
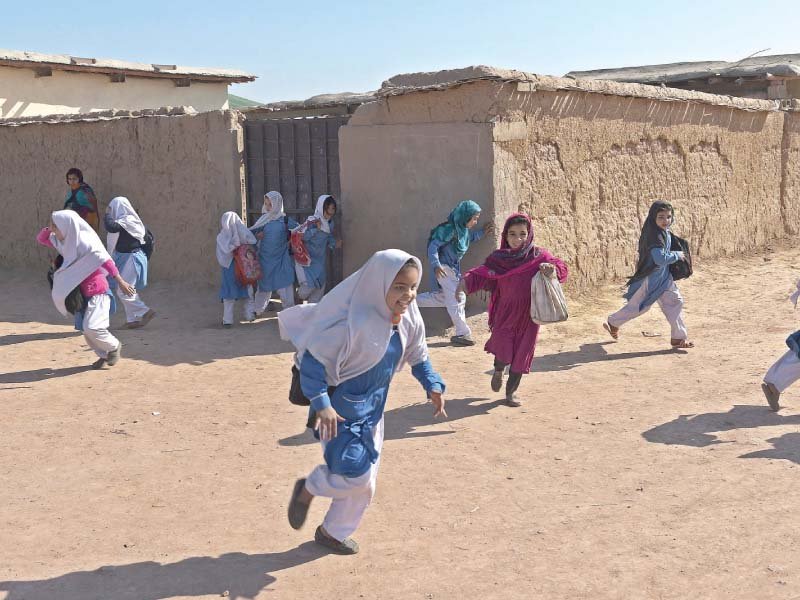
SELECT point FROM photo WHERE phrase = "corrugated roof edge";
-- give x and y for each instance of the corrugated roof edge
(19, 58)
(781, 65)
(442, 80)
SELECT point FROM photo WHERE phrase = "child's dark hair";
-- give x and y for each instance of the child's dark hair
(328, 201)
(520, 220)
(410, 263)
(662, 206)
(77, 172)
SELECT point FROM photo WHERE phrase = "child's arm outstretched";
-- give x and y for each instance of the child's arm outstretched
(421, 368)
(433, 384)
(314, 384)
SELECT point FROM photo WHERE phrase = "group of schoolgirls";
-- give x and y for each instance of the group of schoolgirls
(270, 255)
(351, 343)
(85, 273)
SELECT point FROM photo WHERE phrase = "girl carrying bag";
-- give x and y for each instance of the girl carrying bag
(548, 304)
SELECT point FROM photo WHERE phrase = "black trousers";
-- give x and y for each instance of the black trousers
(513, 378)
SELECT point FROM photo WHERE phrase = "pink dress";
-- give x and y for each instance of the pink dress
(94, 284)
(513, 338)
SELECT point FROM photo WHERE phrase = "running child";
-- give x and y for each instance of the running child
(356, 338)
(786, 369)
(318, 239)
(507, 274)
(277, 267)
(447, 244)
(124, 243)
(86, 264)
(233, 233)
(652, 282)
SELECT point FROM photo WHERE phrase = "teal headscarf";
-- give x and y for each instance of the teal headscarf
(455, 228)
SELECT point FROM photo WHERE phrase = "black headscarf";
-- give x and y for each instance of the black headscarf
(652, 236)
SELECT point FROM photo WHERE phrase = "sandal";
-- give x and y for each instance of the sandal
(612, 331)
(681, 344)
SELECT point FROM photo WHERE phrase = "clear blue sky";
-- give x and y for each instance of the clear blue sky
(298, 49)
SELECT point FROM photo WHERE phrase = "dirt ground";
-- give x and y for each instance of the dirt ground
(631, 471)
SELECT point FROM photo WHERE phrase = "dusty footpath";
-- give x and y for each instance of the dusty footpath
(632, 471)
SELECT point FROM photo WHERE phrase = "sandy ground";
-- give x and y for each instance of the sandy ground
(632, 471)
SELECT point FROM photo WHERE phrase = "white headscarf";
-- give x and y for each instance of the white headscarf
(319, 213)
(123, 214)
(349, 330)
(273, 214)
(83, 254)
(233, 233)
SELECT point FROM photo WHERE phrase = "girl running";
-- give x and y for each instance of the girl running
(233, 233)
(124, 242)
(652, 281)
(507, 274)
(447, 244)
(86, 263)
(356, 338)
(318, 238)
(277, 267)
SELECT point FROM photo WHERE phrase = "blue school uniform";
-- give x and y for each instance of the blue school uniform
(660, 279)
(360, 401)
(277, 266)
(230, 288)
(140, 262)
(318, 243)
(443, 254)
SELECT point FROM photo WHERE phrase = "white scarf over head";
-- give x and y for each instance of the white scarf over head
(123, 214)
(233, 233)
(319, 213)
(273, 214)
(349, 330)
(83, 254)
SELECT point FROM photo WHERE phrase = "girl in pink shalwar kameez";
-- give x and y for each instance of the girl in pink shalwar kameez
(507, 274)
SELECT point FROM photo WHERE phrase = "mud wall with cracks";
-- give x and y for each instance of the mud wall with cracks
(790, 176)
(180, 172)
(587, 168)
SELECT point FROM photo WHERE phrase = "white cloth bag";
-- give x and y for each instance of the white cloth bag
(548, 304)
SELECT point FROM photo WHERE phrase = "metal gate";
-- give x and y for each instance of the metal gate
(300, 159)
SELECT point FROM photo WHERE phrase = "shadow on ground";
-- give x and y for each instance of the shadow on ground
(22, 338)
(698, 430)
(590, 353)
(402, 422)
(241, 575)
(42, 374)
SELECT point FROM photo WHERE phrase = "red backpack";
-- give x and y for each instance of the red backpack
(247, 267)
(298, 245)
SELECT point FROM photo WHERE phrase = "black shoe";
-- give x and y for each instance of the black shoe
(497, 380)
(346, 546)
(511, 400)
(462, 340)
(773, 396)
(298, 511)
(99, 363)
(113, 356)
